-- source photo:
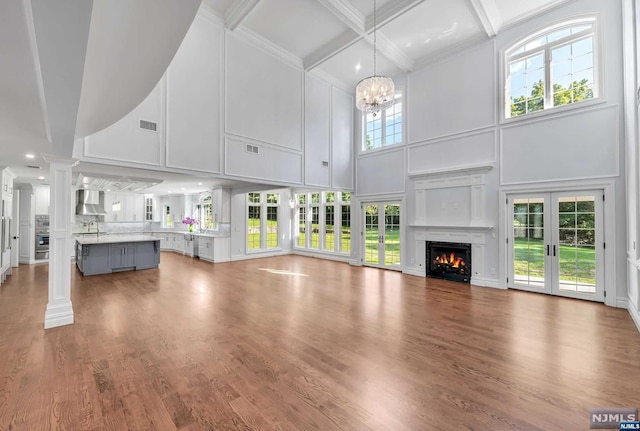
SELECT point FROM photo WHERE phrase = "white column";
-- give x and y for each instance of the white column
(59, 309)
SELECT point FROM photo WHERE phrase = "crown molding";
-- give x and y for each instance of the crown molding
(330, 49)
(487, 15)
(270, 47)
(390, 50)
(346, 13)
(389, 12)
(238, 11)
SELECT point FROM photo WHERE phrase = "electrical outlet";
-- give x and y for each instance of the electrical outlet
(413, 261)
(493, 271)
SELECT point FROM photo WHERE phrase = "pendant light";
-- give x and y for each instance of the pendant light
(375, 92)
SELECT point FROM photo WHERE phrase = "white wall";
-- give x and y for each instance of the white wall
(232, 106)
(454, 121)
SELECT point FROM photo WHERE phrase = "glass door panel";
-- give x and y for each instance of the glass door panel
(577, 230)
(391, 239)
(555, 244)
(372, 234)
(528, 242)
(382, 235)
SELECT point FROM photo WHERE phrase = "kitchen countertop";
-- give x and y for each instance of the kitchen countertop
(115, 239)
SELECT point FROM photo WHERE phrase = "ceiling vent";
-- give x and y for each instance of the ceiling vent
(252, 149)
(149, 125)
(32, 167)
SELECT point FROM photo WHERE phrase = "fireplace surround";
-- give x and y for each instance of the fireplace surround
(448, 261)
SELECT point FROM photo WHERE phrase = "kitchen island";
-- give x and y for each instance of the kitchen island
(115, 253)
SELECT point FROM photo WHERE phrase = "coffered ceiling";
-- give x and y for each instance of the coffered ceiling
(335, 36)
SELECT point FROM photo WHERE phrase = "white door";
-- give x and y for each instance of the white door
(382, 235)
(556, 243)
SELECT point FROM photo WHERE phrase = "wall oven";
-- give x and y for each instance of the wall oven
(42, 236)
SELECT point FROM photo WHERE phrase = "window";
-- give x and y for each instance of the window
(168, 222)
(204, 212)
(384, 128)
(552, 68)
(272, 220)
(262, 220)
(345, 217)
(327, 218)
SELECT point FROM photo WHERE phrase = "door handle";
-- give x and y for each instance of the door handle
(547, 249)
(554, 250)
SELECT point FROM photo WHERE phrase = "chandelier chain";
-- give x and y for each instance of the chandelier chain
(375, 24)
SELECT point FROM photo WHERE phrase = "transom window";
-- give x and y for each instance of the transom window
(383, 128)
(552, 68)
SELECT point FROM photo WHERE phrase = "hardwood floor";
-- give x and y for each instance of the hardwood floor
(296, 343)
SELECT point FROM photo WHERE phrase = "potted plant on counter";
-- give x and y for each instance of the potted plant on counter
(191, 222)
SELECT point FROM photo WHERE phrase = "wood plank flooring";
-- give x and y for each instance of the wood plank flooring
(296, 343)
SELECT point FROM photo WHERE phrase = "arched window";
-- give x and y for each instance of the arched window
(554, 67)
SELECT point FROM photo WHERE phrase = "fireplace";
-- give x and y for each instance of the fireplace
(449, 261)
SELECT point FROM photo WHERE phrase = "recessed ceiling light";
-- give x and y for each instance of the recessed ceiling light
(181, 188)
(358, 66)
(199, 184)
(29, 156)
(41, 178)
(168, 191)
(108, 190)
(409, 44)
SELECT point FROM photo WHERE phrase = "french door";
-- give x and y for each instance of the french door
(555, 243)
(382, 235)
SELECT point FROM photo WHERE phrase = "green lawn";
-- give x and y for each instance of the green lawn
(575, 262)
(329, 238)
(392, 246)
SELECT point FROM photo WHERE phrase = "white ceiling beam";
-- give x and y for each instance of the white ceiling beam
(390, 11)
(487, 14)
(363, 28)
(346, 13)
(330, 49)
(238, 11)
(392, 52)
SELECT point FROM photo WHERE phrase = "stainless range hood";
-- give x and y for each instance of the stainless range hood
(90, 202)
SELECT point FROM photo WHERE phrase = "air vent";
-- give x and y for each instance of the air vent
(325, 164)
(149, 125)
(32, 167)
(252, 149)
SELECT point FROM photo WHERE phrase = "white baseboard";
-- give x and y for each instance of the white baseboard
(414, 271)
(635, 315)
(259, 255)
(58, 315)
(487, 282)
(328, 256)
(622, 303)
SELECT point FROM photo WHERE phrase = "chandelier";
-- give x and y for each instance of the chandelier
(375, 92)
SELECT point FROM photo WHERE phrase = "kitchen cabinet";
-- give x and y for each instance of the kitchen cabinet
(111, 254)
(125, 207)
(205, 248)
(221, 205)
(214, 249)
(123, 256)
(188, 244)
(177, 242)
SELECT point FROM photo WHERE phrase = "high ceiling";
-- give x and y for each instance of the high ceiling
(128, 46)
(336, 36)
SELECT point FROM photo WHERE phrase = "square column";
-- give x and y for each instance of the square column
(59, 309)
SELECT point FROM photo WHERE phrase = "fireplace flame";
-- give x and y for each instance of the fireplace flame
(451, 260)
